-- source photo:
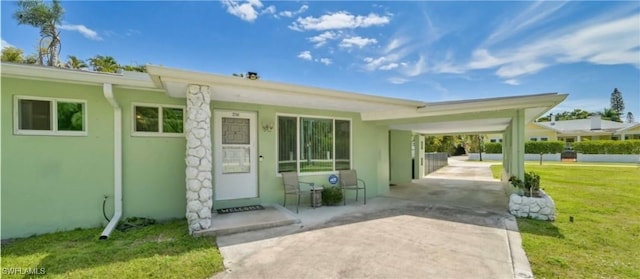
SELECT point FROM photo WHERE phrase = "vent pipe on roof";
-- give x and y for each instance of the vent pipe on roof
(117, 160)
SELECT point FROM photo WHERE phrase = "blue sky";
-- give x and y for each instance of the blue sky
(429, 51)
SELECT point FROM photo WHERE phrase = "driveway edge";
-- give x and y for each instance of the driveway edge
(521, 266)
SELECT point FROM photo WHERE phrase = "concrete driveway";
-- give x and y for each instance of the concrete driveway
(452, 224)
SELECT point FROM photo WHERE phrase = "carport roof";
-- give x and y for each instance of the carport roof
(464, 116)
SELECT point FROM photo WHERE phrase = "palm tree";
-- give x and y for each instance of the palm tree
(75, 63)
(104, 64)
(38, 14)
(610, 114)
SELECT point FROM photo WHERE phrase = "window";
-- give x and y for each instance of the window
(544, 139)
(533, 139)
(158, 120)
(313, 144)
(49, 116)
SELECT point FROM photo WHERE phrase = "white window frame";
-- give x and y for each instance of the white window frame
(298, 117)
(160, 133)
(53, 103)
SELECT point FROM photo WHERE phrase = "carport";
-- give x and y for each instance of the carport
(506, 115)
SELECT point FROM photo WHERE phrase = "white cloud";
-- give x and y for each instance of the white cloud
(269, 10)
(606, 42)
(4, 44)
(536, 13)
(339, 20)
(397, 80)
(302, 9)
(247, 11)
(325, 61)
(322, 39)
(305, 55)
(417, 68)
(512, 82)
(389, 66)
(358, 41)
(86, 32)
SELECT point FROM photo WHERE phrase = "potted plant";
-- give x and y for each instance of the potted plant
(530, 201)
(331, 195)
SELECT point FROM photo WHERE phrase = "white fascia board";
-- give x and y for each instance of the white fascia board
(213, 80)
(548, 100)
(36, 72)
(621, 131)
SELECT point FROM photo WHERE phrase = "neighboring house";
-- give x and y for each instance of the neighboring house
(175, 143)
(577, 130)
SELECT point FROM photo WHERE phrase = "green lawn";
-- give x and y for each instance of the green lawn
(158, 251)
(604, 239)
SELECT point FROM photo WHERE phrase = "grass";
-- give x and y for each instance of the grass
(163, 250)
(604, 239)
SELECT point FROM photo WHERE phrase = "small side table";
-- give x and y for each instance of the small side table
(316, 195)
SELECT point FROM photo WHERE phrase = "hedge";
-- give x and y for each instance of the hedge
(537, 147)
(530, 147)
(607, 147)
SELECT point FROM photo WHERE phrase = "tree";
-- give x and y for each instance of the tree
(617, 103)
(630, 118)
(567, 115)
(46, 17)
(75, 63)
(135, 68)
(610, 114)
(101, 63)
(12, 54)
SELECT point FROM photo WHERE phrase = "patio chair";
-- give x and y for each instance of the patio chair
(292, 186)
(349, 181)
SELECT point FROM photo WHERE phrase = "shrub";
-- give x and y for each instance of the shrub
(607, 147)
(530, 186)
(537, 147)
(493, 147)
(331, 195)
(530, 147)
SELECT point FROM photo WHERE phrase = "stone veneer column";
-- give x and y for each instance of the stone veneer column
(198, 158)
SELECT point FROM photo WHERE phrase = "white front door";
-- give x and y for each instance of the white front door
(235, 155)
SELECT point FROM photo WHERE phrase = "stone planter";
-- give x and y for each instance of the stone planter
(541, 208)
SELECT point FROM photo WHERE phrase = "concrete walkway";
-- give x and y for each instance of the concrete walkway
(452, 224)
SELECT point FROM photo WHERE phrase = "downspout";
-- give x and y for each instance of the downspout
(117, 160)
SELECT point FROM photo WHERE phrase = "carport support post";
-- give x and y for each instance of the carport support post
(419, 156)
(198, 157)
(517, 144)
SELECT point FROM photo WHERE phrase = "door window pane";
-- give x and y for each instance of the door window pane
(235, 131)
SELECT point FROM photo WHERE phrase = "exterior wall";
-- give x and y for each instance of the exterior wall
(52, 183)
(400, 156)
(535, 131)
(531, 131)
(152, 166)
(527, 157)
(369, 156)
(617, 158)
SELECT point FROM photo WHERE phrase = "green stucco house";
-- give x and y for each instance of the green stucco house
(173, 143)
